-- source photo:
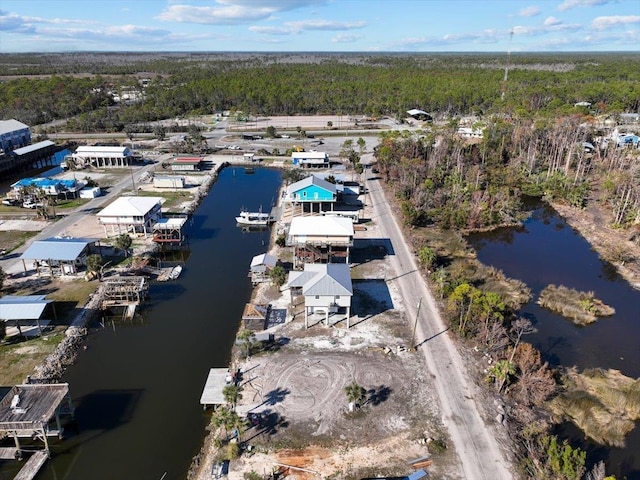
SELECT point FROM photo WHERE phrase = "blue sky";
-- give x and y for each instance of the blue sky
(319, 25)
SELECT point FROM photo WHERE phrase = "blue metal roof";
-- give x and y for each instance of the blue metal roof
(45, 182)
(56, 249)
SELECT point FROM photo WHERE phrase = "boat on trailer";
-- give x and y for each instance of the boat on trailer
(254, 218)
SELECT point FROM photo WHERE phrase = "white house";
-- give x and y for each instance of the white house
(326, 288)
(310, 159)
(101, 157)
(320, 239)
(131, 215)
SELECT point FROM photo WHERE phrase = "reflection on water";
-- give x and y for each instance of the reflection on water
(547, 250)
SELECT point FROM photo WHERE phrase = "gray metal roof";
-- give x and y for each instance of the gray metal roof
(323, 279)
(33, 147)
(56, 249)
(25, 307)
(7, 126)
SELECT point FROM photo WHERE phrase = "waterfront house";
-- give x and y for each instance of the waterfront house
(59, 256)
(131, 215)
(312, 191)
(23, 314)
(254, 316)
(326, 239)
(101, 157)
(186, 164)
(53, 187)
(327, 291)
(310, 159)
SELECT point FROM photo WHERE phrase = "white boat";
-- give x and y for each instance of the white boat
(175, 272)
(254, 218)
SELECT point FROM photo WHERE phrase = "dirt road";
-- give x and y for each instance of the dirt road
(474, 441)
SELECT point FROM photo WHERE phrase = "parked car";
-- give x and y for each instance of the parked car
(31, 204)
(10, 202)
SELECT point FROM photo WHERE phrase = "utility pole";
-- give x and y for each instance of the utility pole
(415, 325)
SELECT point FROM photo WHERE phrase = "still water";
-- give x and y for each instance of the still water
(137, 387)
(547, 250)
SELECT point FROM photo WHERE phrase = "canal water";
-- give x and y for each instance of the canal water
(137, 386)
(547, 250)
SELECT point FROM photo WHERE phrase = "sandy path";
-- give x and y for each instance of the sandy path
(475, 444)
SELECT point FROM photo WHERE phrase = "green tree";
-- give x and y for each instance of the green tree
(3, 277)
(564, 461)
(247, 337)
(271, 132)
(355, 395)
(160, 132)
(427, 257)
(361, 144)
(123, 242)
(501, 372)
(278, 276)
(94, 262)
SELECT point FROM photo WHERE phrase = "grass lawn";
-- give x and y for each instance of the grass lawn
(20, 358)
(11, 239)
(72, 203)
(172, 199)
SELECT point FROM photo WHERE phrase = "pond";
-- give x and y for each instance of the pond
(546, 250)
(137, 386)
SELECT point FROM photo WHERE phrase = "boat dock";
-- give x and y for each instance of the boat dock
(32, 466)
(217, 379)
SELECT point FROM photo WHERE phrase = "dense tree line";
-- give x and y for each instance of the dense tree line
(271, 84)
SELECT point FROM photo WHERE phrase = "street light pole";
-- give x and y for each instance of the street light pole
(415, 325)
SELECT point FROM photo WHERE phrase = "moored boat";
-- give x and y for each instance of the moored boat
(175, 272)
(254, 218)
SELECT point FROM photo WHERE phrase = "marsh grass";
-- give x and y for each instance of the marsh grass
(581, 307)
(604, 404)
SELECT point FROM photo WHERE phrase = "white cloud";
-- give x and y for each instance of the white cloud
(550, 21)
(231, 12)
(568, 4)
(603, 23)
(290, 28)
(531, 11)
(346, 38)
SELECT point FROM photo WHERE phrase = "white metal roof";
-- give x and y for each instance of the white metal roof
(56, 249)
(263, 259)
(33, 147)
(314, 155)
(415, 111)
(130, 207)
(95, 151)
(8, 126)
(328, 226)
(323, 279)
(169, 223)
(22, 307)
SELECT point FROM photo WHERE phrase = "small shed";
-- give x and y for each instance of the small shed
(186, 164)
(260, 267)
(90, 192)
(249, 157)
(255, 316)
(23, 314)
(168, 181)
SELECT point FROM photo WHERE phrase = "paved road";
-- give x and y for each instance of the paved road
(12, 264)
(478, 451)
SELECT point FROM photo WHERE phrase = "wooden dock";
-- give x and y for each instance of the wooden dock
(32, 466)
(8, 453)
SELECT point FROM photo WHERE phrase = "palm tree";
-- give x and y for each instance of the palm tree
(355, 395)
(246, 336)
(232, 394)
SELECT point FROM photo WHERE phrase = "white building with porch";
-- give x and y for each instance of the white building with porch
(101, 157)
(131, 215)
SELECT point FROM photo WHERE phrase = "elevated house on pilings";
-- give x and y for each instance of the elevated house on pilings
(101, 157)
(33, 411)
(325, 239)
(327, 291)
(168, 232)
(131, 215)
(311, 194)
